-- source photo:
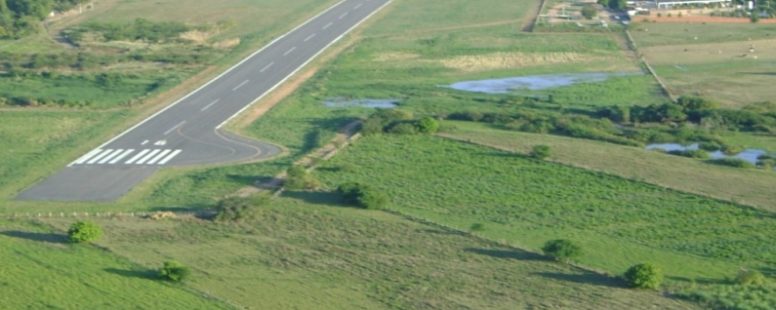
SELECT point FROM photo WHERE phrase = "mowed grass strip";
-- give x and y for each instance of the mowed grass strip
(748, 186)
(305, 251)
(41, 270)
(527, 202)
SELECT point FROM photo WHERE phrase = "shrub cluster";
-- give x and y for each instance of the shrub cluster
(298, 178)
(139, 30)
(732, 162)
(644, 275)
(398, 122)
(84, 232)
(362, 196)
(562, 250)
(174, 271)
(19, 18)
(238, 208)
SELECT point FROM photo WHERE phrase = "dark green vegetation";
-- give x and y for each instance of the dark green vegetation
(362, 196)
(174, 271)
(562, 250)
(84, 231)
(644, 275)
(21, 17)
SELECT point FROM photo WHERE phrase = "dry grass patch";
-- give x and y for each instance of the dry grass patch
(513, 60)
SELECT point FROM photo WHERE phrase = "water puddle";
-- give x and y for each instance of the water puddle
(749, 155)
(361, 103)
(533, 82)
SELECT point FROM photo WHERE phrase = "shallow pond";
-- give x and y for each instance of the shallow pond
(749, 155)
(533, 82)
(361, 103)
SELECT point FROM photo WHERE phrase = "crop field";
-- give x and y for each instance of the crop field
(712, 61)
(305, 251)
(750, 187)
(528, 202)
(41, 270)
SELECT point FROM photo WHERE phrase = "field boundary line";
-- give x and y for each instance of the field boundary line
(632, 45)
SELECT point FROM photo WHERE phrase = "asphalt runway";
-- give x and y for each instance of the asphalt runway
(188, 132)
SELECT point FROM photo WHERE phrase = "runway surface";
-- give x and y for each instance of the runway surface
(187, 132)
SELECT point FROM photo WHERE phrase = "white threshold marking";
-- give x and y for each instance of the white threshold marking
(109, 157)
(117, 159)
(358, 6)
(343, 15)
(267, 67)
(147, 157)
(158, 157)
(308, 38)
(136, 157)
(210, 105)
(169, 157)
(86, 157)
(289, 51)
(327, 26)
(171, 130)
(241, 85)
(144, 142)
(98, 157)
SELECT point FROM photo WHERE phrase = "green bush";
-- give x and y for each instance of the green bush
(84, 232)
(404, 128)
(298, 178)
(644, 275)
(477, 227)
(174, 271)
(540, 151)
(750, 277)
(562, 250)
(238, 208)
(699, 154)
(589, 11)
(362, 196)
(428, 125)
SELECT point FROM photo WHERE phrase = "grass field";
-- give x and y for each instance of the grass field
(40, 270)
(751, 187)
(304, 251)
(712, 61)
(527, 202)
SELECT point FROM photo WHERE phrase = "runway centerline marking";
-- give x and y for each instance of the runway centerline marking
(241, 85)
(289, 51)
(358, 6)
(343, 15)
(174, 127)
(210, 105)
(267, 67)
(328, 25)
(308, 38)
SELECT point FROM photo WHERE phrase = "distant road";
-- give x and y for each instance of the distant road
(187, 132)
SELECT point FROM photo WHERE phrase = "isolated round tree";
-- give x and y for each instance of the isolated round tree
(174, 271)
(562, 250)
(84, 232)
(644, 275)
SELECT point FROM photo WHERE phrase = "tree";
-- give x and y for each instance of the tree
(298, 178)
(238, 208)
(589, 11)
(540, 151)
(363, 196)
(750, 277)
(644, 275)
(428, 125)
(562, 250)
(84, 232)
(174, 271)
(617, 4)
